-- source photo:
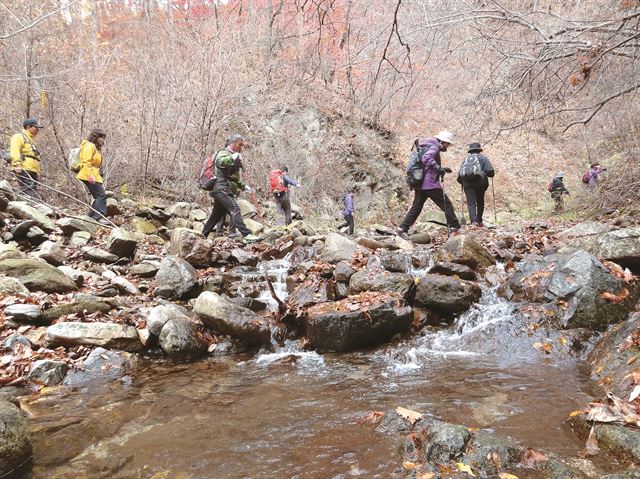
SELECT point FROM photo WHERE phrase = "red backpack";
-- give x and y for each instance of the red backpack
(586, 177)
(276, 181)
(206, 176)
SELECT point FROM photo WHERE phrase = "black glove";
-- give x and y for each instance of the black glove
(447, 170)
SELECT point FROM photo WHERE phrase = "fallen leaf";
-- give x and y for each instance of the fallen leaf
(615, 299)
(632, 360)
(506, 475)
(530, 457)
(465, 468)
(372, 417)
(577, 412)
(409, 466)
(495, 458)
(426, 475)
(591, 448)
(546, 347)
(634, 394)
(409, 415)
(562, 340)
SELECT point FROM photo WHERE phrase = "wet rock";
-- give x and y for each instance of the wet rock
(446, 294)
(101, 366)
(79, 239)
(228, 347)
(486, 450)
(621, 246)
(446, 442)
(454, 269)
(312, 291)
(84, 306)
(343, 272)
(395, 261)
(122, 243)
(623, 443)
(180, 337)
(29, 232)
(191, 246)
(355, 322)
(12, 286)
(77, 224)
(368, 280)
(107, 335)
(176, 279)
(24, 211)
(146, 269)
(465, 250)
(629, 474)
(47, 372)
(253, 304)
(337, 248)
(227, 318)
(144, 227)
(15, 443)
(37, 275)
(579, 284)
(554, 469)
(607, 361)
(244, 258)
(51, 253)
(98, 255)
(24, 313)
(10, 251)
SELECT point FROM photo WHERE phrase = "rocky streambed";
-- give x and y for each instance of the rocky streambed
(150, 351)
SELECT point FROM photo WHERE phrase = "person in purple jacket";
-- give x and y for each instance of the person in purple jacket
(431, 184)
(348, 212)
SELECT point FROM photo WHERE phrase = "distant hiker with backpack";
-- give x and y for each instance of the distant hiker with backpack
(557, 190)
(425, 179)
(474, 175)
(224, 180)
(349, 209)
(90, 172)
(279, 183)
(590, 177)
(24, 156)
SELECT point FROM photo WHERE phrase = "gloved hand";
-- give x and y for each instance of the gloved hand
(447, 170)
(298, 185)
(247, 189)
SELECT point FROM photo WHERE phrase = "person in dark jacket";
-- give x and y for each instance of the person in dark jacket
(227, 165)
(557, 190)
(431, 187)
(349, 209)
(474, 174)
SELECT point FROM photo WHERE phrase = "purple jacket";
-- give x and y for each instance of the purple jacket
(349, 204)
(431, 162)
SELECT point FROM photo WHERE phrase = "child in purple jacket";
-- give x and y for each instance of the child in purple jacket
(348, 211)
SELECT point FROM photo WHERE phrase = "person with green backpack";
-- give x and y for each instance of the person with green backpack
(24, 157)
(89, 171)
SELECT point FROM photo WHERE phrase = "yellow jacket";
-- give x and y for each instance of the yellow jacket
(23, 154)
(90, 161)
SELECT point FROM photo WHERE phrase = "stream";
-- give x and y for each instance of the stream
(294, 414)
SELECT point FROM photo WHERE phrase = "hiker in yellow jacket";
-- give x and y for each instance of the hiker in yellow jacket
(25, 157)
(90, 172)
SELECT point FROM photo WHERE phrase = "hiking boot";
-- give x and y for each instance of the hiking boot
(250, 238)
(104, 221)
(454, 231)
(402, 233)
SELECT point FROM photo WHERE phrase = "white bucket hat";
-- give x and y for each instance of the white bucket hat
(445, 137)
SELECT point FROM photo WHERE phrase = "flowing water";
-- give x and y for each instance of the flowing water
(294, 414)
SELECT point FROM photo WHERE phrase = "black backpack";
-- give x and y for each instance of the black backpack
(415, 168)
(471, 169)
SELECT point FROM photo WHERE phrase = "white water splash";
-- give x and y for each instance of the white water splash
(291, 351)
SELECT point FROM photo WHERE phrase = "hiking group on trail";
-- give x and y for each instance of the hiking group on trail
(221, 175)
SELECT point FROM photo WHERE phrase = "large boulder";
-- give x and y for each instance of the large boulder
(311, 291)
(356, 322)
(176, 279)
(381, 281)
(122, 243)
(446, 294)
(182, 337)
(107, 335)
(191, 246)
(225, 317)
(28, 232)
(15, 443)
(586, 293)
(37, 275)
(621, 246)
(465, 250)
(77, 223)
(337, 248)
(48, 372)
(24, 211)
(158, 316)
(101, 366)
(51, 253)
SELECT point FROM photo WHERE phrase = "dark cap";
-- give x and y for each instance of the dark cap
(31, 122)
(475, 147)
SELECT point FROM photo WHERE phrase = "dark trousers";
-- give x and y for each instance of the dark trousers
(475, 201)
(224, 223)
(348, 222)
(225, 203)
(439, 198)
(283, 205)
(99, 205)
(558, 198)
(27, 183)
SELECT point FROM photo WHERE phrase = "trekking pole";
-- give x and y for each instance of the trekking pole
(444, 199)
(495, 213)
(462, 203)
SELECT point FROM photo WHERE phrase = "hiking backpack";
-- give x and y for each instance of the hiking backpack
(276, 181)
(586, 177)
(206, 176)
(73, 162)
(471, 169)
(415, 168)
